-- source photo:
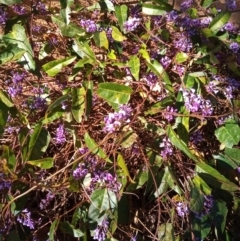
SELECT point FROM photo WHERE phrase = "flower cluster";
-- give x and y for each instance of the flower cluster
(195, 103)
(234, 47)
(3, 16)
(16, 87)
(40, 7)
(183, 43)
(25, 219)
(19, 9)
(131, 24)
(45, 202)
(167, 115)
(167, 147)
(185, 5)
(60, 137)
(231, 5)
(4, 184)
(113, 121)
(208, 205)
(182, 209)
(101, 230)
(89, 25)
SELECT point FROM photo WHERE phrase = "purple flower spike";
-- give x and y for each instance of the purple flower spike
(60, 135)
(131, 24)
(101, 230)
(231, 5)
(167, 148)
(182, 209)
(25, 219)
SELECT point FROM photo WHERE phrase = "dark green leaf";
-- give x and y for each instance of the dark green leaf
(121, 14)
(101, 200)
(45, 163)
(10, 2)
(150, 9)
(180, 144)
(166, 232)
(114, 93)
(3, 116)
(18, 37)
(5, 99)
(94, 148)
(66, 227)
(134, 65)
(213, 178)
(196, 200)
(234, 154)
(52, 68)
(229, 134)
(78, 103)
(53, 229)
(206, 3)
(10, 54)
(101, 39)
(219, 21)
(9, 156)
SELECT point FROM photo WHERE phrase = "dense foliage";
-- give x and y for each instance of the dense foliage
(119, 121)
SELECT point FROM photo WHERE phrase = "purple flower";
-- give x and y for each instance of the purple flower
(19, 9)
(179, 69)
(89, 25)
(185, 5)
(172, 16)
(46, 201)
(25, 219)
(80, 172)
(3, 16)
(238, 169)
(101, 230)
(131, 24)
(208, 205)
(13, 91)
(40, 7)
(113, 121)
(183, 43)
(167, 148)
(182, 209)
(196, 138)
(231, 5)
(37, 103)
(60, 135)
(234, 47)
(169, 116)
(165, 61)
(230, 27)
(151, 79)
(195, 103)
(5, 185)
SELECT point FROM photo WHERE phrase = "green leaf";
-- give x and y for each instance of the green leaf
(9, 156)
(234, 67)
(150, 9)
(101, 200)
(53, 229)
(101, 39)
(52, 68)
(201, 185)
(40, 144)
(201, 227)
(121, 14)
(94, 148)
(181, 57)
(166, 232)
(72, 30)
(234, 154)
(219, 21)
(158, 69)
(229, 134)
(122, 164)
(10, 54)
(134, 65)
(178, 143)
(85, 50)
(5, 99)
(196, 200)
(3, 116)
(65, 14)
(68, 228)
(45, 163)
(52, 115)
(128, 139)
(114, 93)
(78, 103)
(18, 37)
(10, 2)
(88, 85)
(219, 217)
(206, 3)
(213, 178)
(117, 35)
(45, 50)
(58, 102)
